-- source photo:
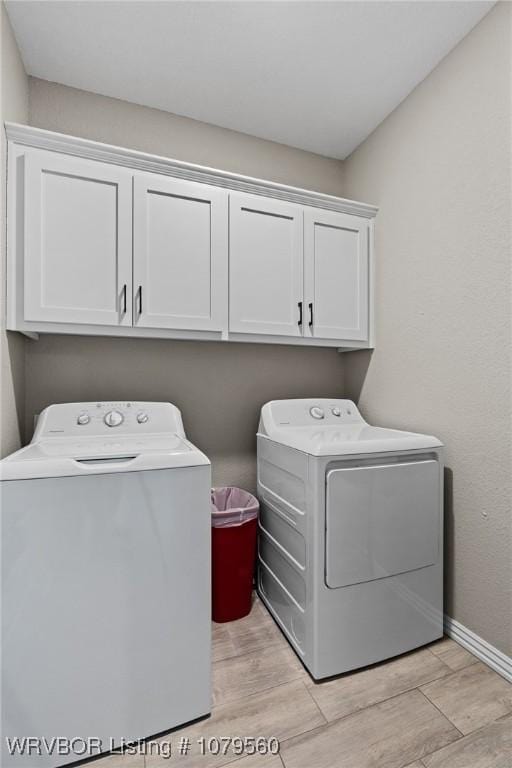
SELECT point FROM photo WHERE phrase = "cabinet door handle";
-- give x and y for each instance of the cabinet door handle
(140, 299)
(124, 298)
(310, 314)
(300, 313)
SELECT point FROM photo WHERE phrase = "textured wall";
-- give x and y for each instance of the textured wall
(219, 387)
(439, 168)
(13, 107)
(80, 113)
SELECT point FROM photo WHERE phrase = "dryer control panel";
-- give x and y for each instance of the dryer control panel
(314, 412)
(108, 418)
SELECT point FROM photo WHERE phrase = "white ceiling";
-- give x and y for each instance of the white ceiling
(312, 74)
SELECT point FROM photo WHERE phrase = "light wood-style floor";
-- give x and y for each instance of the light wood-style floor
(438, 707)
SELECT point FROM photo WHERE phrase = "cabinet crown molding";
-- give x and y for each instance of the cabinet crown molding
(28, 136)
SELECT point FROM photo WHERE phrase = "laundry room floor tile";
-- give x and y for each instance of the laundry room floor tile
(489, 747)
(250, 673)
(124, 760)
(281, 712)
(391, 734)
(257, 631)
(222, 643)
(452, 654)
(472, 697)
(351, 692)
(258, 761)
(377, 717)
(252, 633)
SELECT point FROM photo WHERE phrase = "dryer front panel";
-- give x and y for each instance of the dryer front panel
(381, 520)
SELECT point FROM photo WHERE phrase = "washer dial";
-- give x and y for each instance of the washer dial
(83, 418)
(316, 412)
(113, 418)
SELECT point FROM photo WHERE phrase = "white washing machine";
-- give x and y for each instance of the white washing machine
(351, 534)
(106, 595)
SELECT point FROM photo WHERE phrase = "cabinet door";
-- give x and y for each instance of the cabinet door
(265, 266)
(180, 254)
(78, 241)
(336, 275)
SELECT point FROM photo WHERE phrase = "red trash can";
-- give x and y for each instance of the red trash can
(234, 530)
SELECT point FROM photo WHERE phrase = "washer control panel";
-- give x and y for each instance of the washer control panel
(107, 418)
(317, 412)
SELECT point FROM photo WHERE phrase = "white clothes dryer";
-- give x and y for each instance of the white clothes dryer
(351, 534)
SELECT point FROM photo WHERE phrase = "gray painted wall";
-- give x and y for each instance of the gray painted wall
(13, 106)
(80, 113)
(219, 387)
(439, 168)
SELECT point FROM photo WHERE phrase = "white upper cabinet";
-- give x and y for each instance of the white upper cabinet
(336, 285)
(180, 254)
(265, 266)
(110, 241)
(77, 255)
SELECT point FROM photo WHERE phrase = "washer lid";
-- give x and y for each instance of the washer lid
(89, 456)
(322, 427)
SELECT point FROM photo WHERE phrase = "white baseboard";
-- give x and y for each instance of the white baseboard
(486, 652)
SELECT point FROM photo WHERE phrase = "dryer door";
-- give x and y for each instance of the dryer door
(381, 520)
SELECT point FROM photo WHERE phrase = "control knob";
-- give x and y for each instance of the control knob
(316, 412)
(142, 417)
(113, 418)
(83, 418)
